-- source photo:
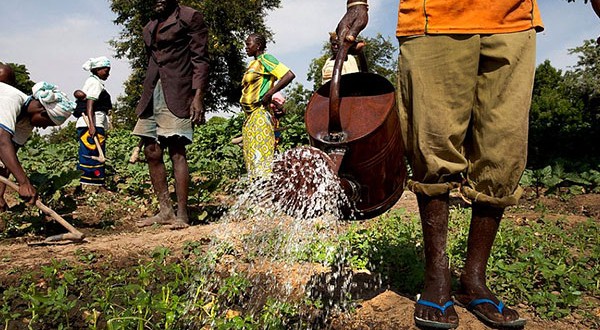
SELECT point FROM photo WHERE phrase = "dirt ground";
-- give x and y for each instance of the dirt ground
(123, 243)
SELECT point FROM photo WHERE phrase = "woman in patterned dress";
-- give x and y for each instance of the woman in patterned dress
(264, 77)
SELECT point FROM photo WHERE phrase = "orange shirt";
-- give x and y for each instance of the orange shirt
(416, 17)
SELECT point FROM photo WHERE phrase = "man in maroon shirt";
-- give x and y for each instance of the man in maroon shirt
(172, 101)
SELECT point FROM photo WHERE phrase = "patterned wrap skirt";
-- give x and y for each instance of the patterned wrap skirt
(259, 142)
(93, 170)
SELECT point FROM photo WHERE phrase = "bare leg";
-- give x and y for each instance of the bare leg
(182, 178)
(3, 205)
(434, 221)
(158, 176)
(482, 232)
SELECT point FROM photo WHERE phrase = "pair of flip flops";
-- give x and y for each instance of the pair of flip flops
(471, 307)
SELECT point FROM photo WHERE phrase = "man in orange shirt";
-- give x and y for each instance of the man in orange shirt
(466, 72)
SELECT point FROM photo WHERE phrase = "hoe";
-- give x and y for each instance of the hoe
(73, 235)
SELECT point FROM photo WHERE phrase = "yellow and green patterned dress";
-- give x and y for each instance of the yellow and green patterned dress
(257, 131)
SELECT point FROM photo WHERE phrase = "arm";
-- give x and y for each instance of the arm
(89, 112)
(197, 108)
(354, 21)
(199, 49)
(90, 93)
(281, 84)
(362, 59)
(8, 155)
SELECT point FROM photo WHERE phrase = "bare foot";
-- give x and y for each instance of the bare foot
(160, 219)
(181, 221)
(178, 224)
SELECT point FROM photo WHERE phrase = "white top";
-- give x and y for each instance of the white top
(11, 103)
(350, 66)
(92, 87)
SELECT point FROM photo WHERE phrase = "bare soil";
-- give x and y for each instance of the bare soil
(121, 243)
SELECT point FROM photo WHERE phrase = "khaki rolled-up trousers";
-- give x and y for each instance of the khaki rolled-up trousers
(464, 105)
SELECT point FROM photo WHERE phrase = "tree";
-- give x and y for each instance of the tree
(565, 112)
(381, 57)
(229, 22)
(297, 97)
(585, 76)
(553, 117)
(584, 87)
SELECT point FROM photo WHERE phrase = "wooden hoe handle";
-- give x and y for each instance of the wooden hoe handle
(100, 157)
(74, 234)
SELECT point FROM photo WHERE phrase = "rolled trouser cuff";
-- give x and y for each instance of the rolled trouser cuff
(501, 202)
(431, 189)
(436, 189)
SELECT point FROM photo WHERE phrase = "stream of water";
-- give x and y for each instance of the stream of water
(282, 231)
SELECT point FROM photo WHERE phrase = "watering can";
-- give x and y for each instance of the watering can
(354, 119)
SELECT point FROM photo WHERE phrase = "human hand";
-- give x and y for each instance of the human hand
(28, 193)
(197, 112)
(267, 99)
(92, 131)
(354, 21)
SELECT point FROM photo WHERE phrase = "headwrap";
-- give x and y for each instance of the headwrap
(57, 104)
(277, 102)
(98, 62)
(279, 98)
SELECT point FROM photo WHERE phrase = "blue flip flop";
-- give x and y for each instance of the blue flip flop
(518, 323)
(435, 324)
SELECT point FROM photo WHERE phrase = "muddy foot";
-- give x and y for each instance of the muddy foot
(181, 221)
(159, 219)
(178, 224)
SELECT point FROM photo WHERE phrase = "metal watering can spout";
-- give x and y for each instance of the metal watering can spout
(351, 187)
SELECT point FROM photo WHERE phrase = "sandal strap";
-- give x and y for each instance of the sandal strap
(477, 302)
(436, 306)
